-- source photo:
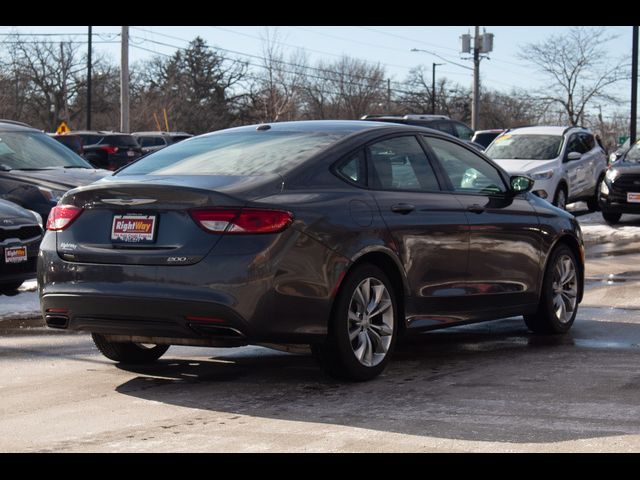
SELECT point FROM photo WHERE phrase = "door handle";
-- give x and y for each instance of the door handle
(402, 208)
(475, 208)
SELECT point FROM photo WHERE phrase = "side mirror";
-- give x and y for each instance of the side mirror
(521, 184)
(573, 156)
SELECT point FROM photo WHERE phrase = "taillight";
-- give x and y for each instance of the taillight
(242, 221)
(109, 149)
(62, 216)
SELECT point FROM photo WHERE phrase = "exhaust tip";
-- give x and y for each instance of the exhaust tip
(57, 321)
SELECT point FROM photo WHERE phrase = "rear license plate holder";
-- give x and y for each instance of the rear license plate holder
(134, 228)
(15, 254)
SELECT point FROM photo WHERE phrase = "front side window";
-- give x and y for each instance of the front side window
(467, 171)
(401, 164)
(525, 147)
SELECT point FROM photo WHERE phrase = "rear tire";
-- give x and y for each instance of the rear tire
(363, 327)
(560, 198)
(611, 217)
(558, 304)
(128, 352)
(593, 204)
(10, 288)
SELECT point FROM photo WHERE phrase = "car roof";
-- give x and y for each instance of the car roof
(13, 126)
(345, 126)
(160, 134)
(544, 130)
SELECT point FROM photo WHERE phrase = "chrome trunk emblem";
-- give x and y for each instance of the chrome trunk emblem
(126, 202)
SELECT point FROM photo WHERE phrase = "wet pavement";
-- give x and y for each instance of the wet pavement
(491, 387)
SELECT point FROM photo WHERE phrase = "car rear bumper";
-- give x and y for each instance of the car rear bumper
(221, 300)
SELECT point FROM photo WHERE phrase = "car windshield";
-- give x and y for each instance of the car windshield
(525, 147)
(235, 153)
(35, 151)
(633, 155)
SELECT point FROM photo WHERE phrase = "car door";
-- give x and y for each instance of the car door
(427, 226)
(504, 239)
(593, 160)
(576, 170)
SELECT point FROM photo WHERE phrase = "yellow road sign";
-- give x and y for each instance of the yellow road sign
(63, 128)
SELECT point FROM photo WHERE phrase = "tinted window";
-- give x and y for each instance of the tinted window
(443, 127)
(462, 131)
(525, 147)
(150, 141)
(467, 171)
(588, 140)
(576, 145)
(27, 150)
(90, 139)
(179, 138)
(401, 164)
(120, 141)
(353, 168)
(235, 153)
(485, 138)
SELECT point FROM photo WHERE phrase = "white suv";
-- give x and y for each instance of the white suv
(566, 163)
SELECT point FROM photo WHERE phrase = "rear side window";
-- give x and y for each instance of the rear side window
(353, 168)
(588, 140)
(401, 164)
(462, 131)
(121, 141)
(576, 145)
(236, 153)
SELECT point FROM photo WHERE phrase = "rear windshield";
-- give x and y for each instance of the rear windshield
(235, 153)
(525, 147)
(35, 151)
(120, 141)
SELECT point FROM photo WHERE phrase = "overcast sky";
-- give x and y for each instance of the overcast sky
(390, 46)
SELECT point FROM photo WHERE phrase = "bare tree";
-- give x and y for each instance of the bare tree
(578, 68)
(46, 77)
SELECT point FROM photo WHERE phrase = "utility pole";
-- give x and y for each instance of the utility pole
(124, 81)
(388, 95)
(482, 44)
(433, 87)
(476, 80)
(89, 82)
(634, 86)
(65, 111)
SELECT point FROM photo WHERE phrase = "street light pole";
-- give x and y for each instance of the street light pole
(634, 86)
(476, 80)
(433, 87)
(124, 81)
(89, 82)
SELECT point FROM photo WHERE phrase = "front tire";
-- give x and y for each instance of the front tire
(560, 198)
(559, 300)
(128, 352)
(363, 327)
(611, 217)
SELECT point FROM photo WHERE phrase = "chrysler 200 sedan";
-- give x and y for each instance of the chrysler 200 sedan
(342, 235)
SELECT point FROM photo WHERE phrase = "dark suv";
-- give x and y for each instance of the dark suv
(154, 141)
(109, 150)
(437, 122)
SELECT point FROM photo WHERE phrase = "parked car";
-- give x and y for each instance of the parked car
(20, 235)
(620, 151)
(566, 163)
(437, 122)
(109, 150)
(485, 137)
(36, 170)
(620, 191)
(71, 141)
(338, 234)
(154, 141)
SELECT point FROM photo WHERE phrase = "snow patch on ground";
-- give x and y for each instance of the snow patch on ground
(23, 305)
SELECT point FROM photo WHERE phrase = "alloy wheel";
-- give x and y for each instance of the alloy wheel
(371, 322)
(565, 288)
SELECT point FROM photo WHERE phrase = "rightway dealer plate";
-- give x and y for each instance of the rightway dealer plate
(633, 197)
(133, 228)
(15, 254)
